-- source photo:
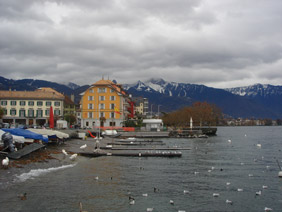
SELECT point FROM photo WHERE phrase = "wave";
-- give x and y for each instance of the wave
(37, 172)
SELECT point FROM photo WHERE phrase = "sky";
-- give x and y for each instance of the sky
(218, 43)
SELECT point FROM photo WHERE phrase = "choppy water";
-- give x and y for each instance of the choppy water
(241, 163)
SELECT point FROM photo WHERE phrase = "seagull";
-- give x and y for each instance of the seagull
(251, 175)
(216, 194)
(22, 196)
(267, 209)
(258, 193)
(96, 178)
(186, 192)
(229, 202)
(196, 173)
(264, 187)
(259, 145)
(131, 200)
(83, 146)
(150, 209)
(239, 189)
(144, 195)
(5, 163)
(228, 183)
(156, 189)
(80, 208)
(229, 141)
(73, 157)
(171, 202)
(64, 152)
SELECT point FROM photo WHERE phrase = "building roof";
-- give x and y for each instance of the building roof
(110, 83)
(68, 101)
(103, 82)
(31, 95)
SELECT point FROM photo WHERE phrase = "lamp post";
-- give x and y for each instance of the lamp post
(152, 110)
(159, 111)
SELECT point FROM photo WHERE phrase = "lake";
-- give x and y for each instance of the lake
(201, 180)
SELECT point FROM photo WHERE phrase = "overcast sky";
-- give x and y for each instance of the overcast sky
(218, 43)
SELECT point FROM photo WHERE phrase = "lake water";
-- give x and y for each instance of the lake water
(202, 171)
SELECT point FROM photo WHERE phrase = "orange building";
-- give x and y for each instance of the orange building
(103, 104)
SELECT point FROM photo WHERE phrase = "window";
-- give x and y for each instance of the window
(90, 98)
(22, 113)
(91, 91)
(22, 103)
(57, 112)
(102, 90)
(87, 124)
(112, 115)
(102, 98)
(112, 106)
(13, 112)
(48, 103)
(112, 98)
(5, 111)
(90, 115)
(13, 103)
(112, 90)
(112, 123)
(101, 106)
(3, 103)
(57, 104)
(90, 106)
(30, 113)
(39, 103)
(39, 113)
(30, 103)
(102, 114)
(47, 112)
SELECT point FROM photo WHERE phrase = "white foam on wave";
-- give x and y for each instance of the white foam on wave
(37, 172)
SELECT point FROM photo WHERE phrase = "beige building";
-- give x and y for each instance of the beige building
(31, 107)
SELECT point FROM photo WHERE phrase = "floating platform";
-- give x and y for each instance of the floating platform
(134, 144)
(133, 154)
(25, 151)
(148, 148)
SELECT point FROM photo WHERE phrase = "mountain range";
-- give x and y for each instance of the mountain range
(256, 101)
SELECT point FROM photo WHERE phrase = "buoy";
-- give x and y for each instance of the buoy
(280, 174)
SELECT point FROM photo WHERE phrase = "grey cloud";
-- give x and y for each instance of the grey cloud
(210, 42)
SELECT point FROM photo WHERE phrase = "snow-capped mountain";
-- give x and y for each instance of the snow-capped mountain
(258, 101)
(262, 90)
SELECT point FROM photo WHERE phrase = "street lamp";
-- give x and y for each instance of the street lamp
(152, 110)
(159, 111)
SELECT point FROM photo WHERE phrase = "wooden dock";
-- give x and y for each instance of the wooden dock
(147, 148)
(133, 154)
